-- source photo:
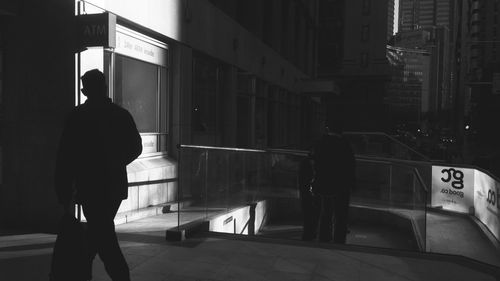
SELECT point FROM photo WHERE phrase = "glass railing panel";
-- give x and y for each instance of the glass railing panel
(394, 198)
(372, 182)
(402, 186)
(216, 182)
(420, 197)
(378, 146)
(217, 186)
(192, 185)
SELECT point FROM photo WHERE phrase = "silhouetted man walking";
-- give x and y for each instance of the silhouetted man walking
(99, 140)
(334, 167)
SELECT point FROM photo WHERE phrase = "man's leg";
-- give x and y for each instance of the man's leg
(308, 228)
(341, 207)
(326, 219)
(102, 236)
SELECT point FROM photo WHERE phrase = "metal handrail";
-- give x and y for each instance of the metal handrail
(392, 139)
(220, 148)
(404, 161)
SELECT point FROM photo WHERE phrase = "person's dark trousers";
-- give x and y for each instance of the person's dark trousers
(102, 238)
(310, 210)
(326, 218)
(341, 217)
(334, 210)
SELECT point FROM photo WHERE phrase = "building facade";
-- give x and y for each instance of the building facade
(435, 43)
(408, 95)
(364, 72)
(415, 14)
(478, 100)
(190, 72)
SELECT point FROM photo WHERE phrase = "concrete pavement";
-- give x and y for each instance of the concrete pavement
(224, 257)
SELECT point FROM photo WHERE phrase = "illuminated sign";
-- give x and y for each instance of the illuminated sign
(134, 47)
(96, 30)
(453, 188)
(486, 201)
(467, 190)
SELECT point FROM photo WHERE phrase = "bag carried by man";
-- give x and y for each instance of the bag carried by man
(69, 255)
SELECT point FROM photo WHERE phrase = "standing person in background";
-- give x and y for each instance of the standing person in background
(334, 167)
(98, 141)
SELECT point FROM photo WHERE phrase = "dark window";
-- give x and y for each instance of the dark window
(136, 89)
(245, 95)
(209, 91)
(142, 88)
(268, 23)
(261, 104)
(204, 95)
(364, 61)
(365, 33)
(367, 7)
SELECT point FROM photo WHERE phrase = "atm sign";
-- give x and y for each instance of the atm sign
(96, 30)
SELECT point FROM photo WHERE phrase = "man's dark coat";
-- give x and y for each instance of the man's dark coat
(99, 140)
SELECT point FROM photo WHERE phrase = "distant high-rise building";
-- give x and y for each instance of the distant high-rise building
(443, 12)
(478, 96)
(368, 27)
(415, 14)
(390, 18)
(330, 36)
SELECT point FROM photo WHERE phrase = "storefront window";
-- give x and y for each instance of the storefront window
(261, 109)
(245, 94)
(141, 88)
(209, 95)
(136, 89)
(204, 95)
(277, 118)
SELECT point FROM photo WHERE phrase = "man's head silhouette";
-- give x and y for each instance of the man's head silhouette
(94, 84)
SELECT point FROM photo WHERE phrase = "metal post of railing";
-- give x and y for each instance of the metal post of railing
(258, 177)
(228, 181)
(179, 186)
(206, 184)
(390, 184)
(425, 222)
(414, 195)
(245, 191)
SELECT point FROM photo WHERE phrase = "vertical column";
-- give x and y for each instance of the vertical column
(180, 106)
